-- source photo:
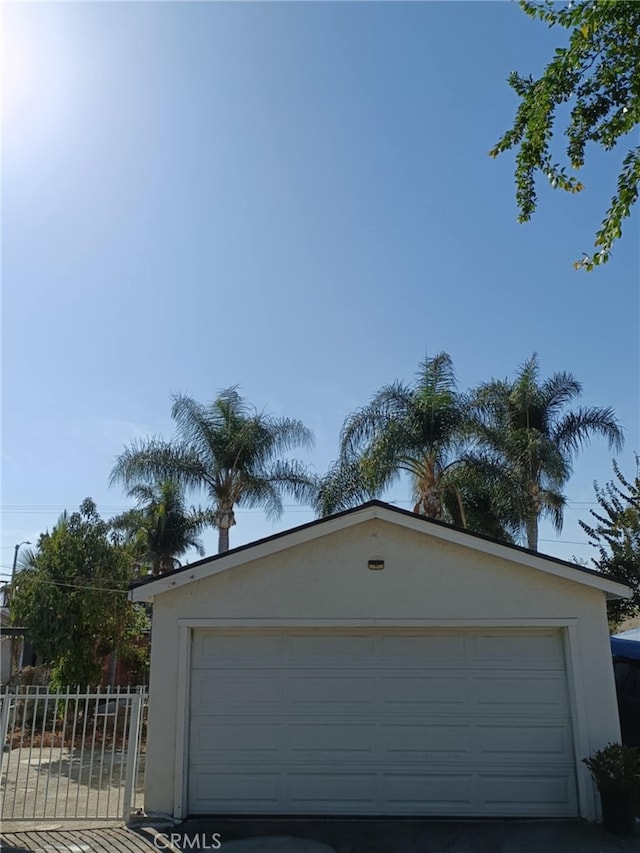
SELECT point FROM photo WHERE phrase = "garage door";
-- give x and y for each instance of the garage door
(382, 722)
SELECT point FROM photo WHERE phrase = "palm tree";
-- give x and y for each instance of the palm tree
(230, 450)
(161, 528)
(423, 430)
(343, 486)
(528, 435)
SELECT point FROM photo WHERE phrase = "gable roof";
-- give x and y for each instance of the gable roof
(146, 589)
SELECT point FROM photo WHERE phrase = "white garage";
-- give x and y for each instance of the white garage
(377, 663)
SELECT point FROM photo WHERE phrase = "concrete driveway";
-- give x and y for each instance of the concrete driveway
(57, 784)
(72, 837)
(408, 836)
(321, 836)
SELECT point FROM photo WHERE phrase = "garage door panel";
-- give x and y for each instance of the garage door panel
(417, 743)
(336, 648)
(520, 694)
(230, 790)
(441, 791)
(217, 690)
(325, 792)
(436, 792)
(543, 651)
(339, 693)
(211, 647)
(424, 691)
(426, 742)
(502, 793)
(525, 742)
(331, 742)
(216, 740)
(378, 721)
(403, 648)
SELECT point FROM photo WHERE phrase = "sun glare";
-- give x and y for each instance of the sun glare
(36, 76)
(18, 68)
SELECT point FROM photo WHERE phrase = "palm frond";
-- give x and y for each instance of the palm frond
(294, 479)
(344, 486)
(553, 505)
(142, 493)
(520, 423)
(559, 390)
(152, 459)
(575, 429)
(27, 559)
(196, 429)
(161, 528)
(418, 430)
(389, 405)
(259, 491)
(288, 434)
(436, 376)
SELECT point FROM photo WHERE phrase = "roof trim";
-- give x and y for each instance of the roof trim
(147, 589)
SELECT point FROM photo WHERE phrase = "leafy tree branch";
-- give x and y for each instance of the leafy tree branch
(599, 73)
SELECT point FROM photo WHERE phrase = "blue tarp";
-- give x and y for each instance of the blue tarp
(621, 648)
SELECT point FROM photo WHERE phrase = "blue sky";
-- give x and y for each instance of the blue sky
(292, 197)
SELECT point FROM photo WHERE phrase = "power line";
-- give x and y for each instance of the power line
(84, 587)
(36, 508)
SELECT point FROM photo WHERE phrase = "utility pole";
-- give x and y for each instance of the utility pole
(15, 558)
(14, 663)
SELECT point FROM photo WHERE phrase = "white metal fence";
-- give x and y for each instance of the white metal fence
(72, 754)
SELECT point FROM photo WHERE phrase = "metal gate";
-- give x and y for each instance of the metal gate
(73, 755)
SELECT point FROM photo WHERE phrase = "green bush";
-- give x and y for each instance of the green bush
(615, 767)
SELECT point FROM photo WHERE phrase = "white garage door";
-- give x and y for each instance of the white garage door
(383, 722)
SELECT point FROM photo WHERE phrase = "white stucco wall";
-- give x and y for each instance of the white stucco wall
(424, 579)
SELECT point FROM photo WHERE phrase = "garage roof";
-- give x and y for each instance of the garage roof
(148, 588)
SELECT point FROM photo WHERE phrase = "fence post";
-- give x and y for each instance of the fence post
(135, 720)
(4, 722)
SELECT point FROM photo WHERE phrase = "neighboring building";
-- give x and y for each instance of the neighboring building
(16, 652)
(6, 643)
(378, 663)
(625, 648)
